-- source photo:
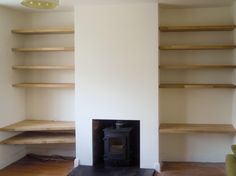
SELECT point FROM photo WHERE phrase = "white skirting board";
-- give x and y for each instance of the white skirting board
(76, 162)
(157, 167)
(15, 156)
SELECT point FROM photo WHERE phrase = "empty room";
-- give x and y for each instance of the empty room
(118, 87)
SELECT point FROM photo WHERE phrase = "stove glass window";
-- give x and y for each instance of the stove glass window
(116, 145)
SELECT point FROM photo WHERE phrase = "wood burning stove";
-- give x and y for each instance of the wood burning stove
(121, 144)
(117, 151)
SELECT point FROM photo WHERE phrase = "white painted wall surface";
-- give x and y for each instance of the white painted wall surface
(233, 10)
(44, 104)
(12, 102)
(116, 72)
(196, 105)
(50, 104)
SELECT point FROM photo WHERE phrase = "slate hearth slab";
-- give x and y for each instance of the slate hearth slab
(103, 171)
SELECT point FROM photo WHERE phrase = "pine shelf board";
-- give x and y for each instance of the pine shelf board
(197, 47)
(43, 67)
(30, 138)
(197, 28)
(44, 85)
(44, 31)
(54, 49)
(39, 125)
(215, 86)
(196, 128)
(197, 67)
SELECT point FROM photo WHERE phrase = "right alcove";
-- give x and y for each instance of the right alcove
(196, 99)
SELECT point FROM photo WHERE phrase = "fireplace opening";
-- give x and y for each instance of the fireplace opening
(116, 143)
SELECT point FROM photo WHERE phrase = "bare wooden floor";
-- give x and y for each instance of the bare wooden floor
(33, 167)
(192, 169)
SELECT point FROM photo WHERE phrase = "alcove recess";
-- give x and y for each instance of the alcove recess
(47, 68)
(196, 69)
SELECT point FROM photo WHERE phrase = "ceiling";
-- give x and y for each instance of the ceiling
(196, 3)
(65, 5)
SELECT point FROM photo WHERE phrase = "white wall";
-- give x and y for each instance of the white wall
(50, 104)
(233, 10)
(12, 104)
(196, 105)
(43, 104)
(116, 72)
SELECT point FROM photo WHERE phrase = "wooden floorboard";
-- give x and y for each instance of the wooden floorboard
(33, 167)
(192, 169)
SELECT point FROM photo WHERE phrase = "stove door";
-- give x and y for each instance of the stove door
(115, 147)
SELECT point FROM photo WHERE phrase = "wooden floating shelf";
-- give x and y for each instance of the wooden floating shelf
(45, 85)
(196, 47)
(197, 28)
(197, 67)
(215, 86)
(44, 31)
(54, 49)
(196, 128)
(40, 125)
(28, 138)
(43, 67)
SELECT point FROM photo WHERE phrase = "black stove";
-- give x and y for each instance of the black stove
(117, 150)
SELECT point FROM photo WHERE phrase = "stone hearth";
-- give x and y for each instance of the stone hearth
(110, 171)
